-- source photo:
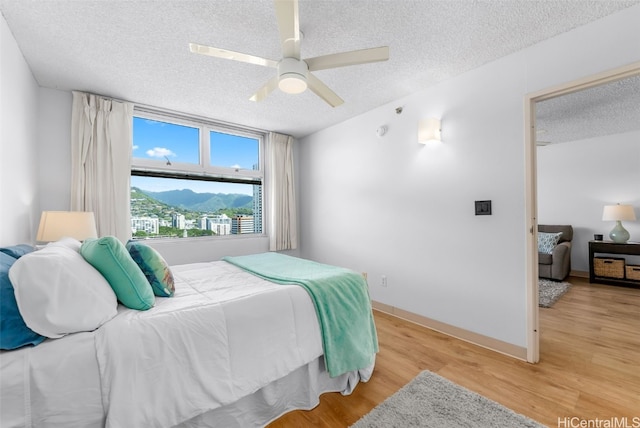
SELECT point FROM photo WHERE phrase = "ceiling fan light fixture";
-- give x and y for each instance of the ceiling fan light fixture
(292, 75)
(292, 83)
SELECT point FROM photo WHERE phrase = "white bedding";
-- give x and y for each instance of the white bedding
(223, 336)
(53, 384)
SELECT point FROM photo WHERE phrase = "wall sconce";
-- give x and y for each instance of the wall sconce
(429, 130)
(617, 213)
(55, 225)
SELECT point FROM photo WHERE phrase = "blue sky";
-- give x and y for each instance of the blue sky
(155, 140)
(177, 143)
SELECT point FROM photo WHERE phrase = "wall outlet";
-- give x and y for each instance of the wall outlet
(364, 275)
(383, 280)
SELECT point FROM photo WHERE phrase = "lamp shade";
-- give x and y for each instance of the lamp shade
(55, 225)
(618, 213)
(429, 130)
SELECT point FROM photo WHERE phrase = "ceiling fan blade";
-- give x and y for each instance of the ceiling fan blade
(289, 27)
(344, 59)
(323, 91)
(263, 92)
(236, 56)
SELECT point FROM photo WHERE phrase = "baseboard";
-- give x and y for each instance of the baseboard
(468, 336)
(579, 273)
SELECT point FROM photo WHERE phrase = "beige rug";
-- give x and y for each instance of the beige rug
(550, 291)
(431, 401)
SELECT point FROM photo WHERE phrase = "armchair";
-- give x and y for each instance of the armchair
(558, 264)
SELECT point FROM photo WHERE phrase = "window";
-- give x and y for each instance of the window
(192, 178)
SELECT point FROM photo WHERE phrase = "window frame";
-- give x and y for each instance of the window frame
(203, 171)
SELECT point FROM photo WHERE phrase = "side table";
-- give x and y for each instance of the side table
(610, 247)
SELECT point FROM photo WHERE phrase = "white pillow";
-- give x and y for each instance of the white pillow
(68, 242)
(59, 293)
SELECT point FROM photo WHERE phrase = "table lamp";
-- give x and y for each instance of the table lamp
(55, 225)
(618, 213)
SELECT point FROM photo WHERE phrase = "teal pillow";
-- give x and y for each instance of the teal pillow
(154, 267)
(547, 242)
(111, 258)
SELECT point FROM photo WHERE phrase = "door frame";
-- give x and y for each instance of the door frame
(531, 195)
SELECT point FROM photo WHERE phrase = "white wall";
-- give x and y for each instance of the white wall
(179, 251)
(577, 179)
(19, 213)
(392, 207)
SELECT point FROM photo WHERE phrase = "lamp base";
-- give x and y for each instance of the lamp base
(619, 234)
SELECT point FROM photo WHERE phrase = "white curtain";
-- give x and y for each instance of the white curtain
(101, 141)
(281, 199)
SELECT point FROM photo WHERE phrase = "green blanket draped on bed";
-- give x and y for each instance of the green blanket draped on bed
(342, 303)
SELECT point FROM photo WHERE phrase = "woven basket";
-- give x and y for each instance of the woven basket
(633, 272)
(609, 267)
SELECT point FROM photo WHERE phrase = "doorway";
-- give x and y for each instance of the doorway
(531, 200)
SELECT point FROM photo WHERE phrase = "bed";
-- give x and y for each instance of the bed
(228, 348)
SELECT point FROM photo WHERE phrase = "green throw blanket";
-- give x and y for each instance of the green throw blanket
(342, 304)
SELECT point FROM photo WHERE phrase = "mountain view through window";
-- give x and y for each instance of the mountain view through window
(189, 180)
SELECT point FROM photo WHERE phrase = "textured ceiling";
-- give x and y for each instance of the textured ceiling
(603, 110)
(138, 50)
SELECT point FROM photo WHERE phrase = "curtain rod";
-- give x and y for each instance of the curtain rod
(145, 108)
(188, 116)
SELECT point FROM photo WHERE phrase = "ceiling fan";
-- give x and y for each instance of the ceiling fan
(294, 74)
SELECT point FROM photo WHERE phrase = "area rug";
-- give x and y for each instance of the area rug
(550, 291)
(431, 401)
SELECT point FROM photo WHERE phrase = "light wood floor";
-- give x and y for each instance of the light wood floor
(589, 366)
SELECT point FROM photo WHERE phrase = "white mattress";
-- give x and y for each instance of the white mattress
(147, 368)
